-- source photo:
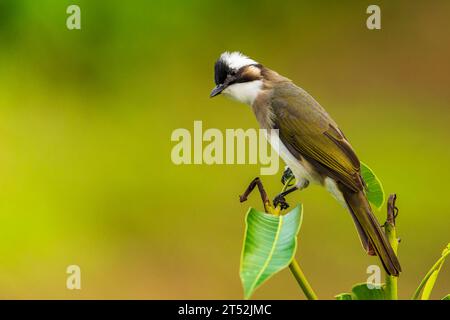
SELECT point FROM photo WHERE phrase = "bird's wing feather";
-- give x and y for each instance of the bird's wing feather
(308, 131)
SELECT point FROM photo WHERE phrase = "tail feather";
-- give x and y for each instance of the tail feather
(372, 236)
(365, 240)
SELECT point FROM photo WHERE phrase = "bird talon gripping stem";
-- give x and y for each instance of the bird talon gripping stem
(280, 201)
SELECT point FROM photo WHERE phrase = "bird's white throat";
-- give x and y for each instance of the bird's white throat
(245, 92)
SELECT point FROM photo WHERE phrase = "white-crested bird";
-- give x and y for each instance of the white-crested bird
(308, 140)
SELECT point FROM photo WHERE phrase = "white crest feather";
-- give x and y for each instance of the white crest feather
(236, 60)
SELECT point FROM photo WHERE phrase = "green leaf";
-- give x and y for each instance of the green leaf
(447, 297)
(427, 283)
(269, 246)
(375, 191)
(344, 296)
(363, 292)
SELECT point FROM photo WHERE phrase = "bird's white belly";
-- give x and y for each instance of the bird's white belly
(301, 169)
(331, 186)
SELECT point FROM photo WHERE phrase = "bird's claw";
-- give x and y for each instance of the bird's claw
(280, 200)
(287, 174)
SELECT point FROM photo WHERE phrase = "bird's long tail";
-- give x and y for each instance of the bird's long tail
(372, 236)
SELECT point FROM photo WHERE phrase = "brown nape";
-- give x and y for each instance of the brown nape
(249, 73)
(272, 76)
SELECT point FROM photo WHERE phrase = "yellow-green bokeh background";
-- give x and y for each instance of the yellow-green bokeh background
(86, 118)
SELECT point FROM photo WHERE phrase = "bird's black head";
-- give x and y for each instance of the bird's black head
(221, 71)
(232, 68)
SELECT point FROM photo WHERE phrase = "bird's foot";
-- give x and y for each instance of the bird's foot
(287, 175)
(280, 200)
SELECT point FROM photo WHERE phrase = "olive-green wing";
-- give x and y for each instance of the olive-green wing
(308, 131)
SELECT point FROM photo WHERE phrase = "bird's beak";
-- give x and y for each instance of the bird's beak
(217, 90)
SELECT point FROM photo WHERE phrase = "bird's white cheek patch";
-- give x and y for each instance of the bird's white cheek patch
(245, 92)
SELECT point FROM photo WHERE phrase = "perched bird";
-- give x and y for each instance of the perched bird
(308, 140)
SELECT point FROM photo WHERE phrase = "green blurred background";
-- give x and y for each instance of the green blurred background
(86, 118)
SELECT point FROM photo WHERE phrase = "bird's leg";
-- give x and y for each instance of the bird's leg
(280, 198)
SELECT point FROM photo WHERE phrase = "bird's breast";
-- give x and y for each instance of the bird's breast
(301, 168)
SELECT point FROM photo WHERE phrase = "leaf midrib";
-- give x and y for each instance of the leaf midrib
(272, 250)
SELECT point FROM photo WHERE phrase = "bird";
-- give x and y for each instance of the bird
(308, 140)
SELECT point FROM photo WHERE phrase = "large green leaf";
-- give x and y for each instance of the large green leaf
(269, 246)
(427, 283)
(361, 291)
(375, 191)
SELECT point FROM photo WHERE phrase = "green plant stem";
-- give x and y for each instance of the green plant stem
(295, 268)
(286, 185)
(301, 280)
(391, 290)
